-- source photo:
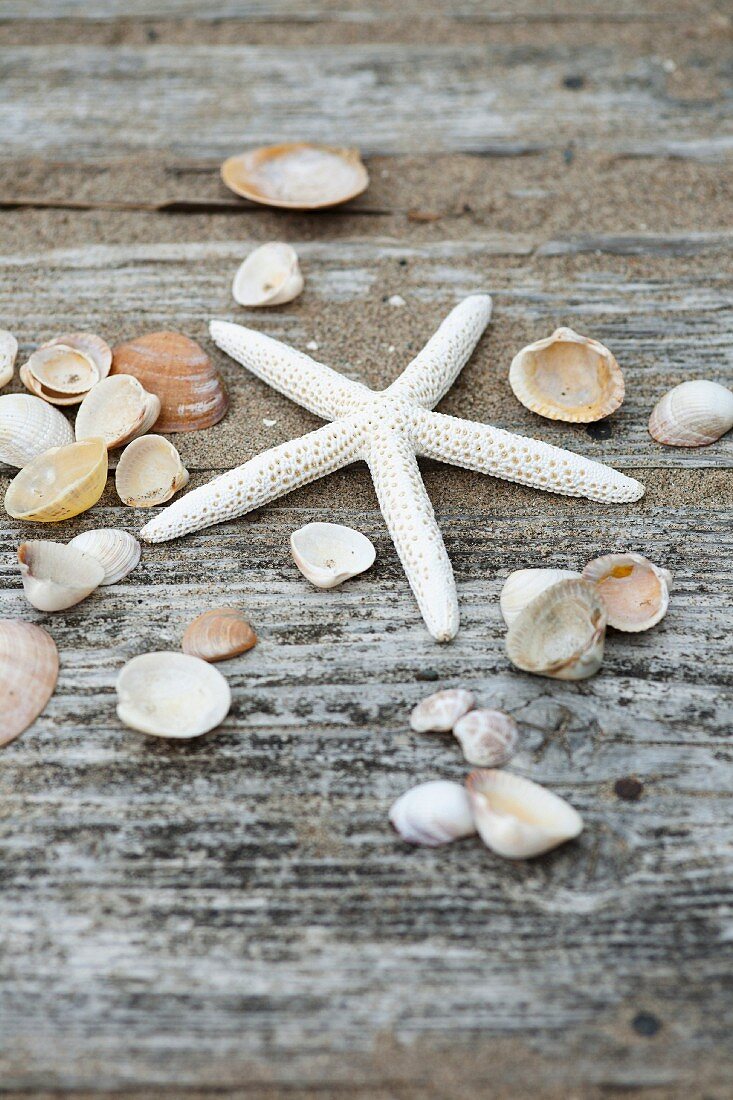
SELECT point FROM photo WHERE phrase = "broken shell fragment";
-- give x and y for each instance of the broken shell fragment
(60, 483)
(524, 585)
(693, 414)
(634, 592)
(297, 175)
(116, 551)
(218, 634)
(488, 737)
(29, 668)
(63, 370)
(561, 633)
(56, 576)
(8, 353)
(433, 813)
(328, 554)
(171, 694)
(519, 819)
(117, 410)
(149, 472)
(440, 712)
(567, 377)
(270, 276)
(28, 427)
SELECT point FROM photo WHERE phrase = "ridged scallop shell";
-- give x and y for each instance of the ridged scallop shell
(433, 813)
(567, 377)
(488, 738)
(297, 175)
(524, 585)
(440, 711)
(329, 553)
(693, 414)
(270, 276)
(117, 410)
(560, 633)
(8, 353)
(28, 427)
(171, 694)
(56, 576)
(29, 668)
(218, 634)
(59, 483)
(519, 819)
(149, 472)
(117, 552)
(635, 592)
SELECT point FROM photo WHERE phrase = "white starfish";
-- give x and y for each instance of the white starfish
(387, 429)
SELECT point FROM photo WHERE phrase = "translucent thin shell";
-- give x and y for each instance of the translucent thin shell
(28, 427)
(440, 711)
(560, 633)
(56, 576)
(29, 668)
(117, 410)
(634, 591)
(116, 551)
(8, 353)
(524, 585)
(297, 175)
(567, 377)
(59, 483)
(170, 694)
(218, 634)
(519, 819)
(693, 414)
(149, 472)
(270, 276)
(329, 554)
(61, 369)
(488, 738)
(433, 813)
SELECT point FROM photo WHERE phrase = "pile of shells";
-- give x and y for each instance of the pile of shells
(57, 576)
(65, 369)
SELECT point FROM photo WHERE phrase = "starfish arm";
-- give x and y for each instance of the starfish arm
(265, 477)
(435, 369)
(515, 458)
(410, 519)
(313, 385)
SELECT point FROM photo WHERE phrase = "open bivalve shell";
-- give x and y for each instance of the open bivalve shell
(635, 592)
(117, 552)
(433, 813)
(693, 414)
(8, 354)
(270, 276)
(28, 427)
(117, 410)
(171, 694)
(218, 634)
(519, 819)
(149, 472)
(29, 668)
(440, 711)
(561, 633)
(56, 576)
(297, 175)
(567, 377)
(59, 483)
(63, 370)
(328, 554)
(524, 585)
(488, 738)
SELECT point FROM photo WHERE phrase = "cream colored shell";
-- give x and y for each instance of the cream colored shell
(693, 414)
(149, 472)
(634, 591)
(269, 276)
(28, 427)
(488, 738)
(63, 371)
(56, 576)
(8, 353)
(560, 633)
(298, 175)
(59, 483)
(439, 712)
(170, 694)
(116, 551)
(328, 554)
(433, 813)
(29, 668)
(567, 377)
(519, 819)
(524, 585)
(117, 410)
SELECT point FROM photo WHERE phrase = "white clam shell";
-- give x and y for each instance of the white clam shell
(488, 738)
(171, 694)
(56, 576)
(8, 353)
(269, 276)
(116, 551)
(567, 377)
(634, 591)
(524, 585)
(517, 818)
(440, 711)
(433, 813)
(693, 414)
(561, 633)
(327, 554)
(149, 472)
(61, 369)
(29, 427)
(117, 410)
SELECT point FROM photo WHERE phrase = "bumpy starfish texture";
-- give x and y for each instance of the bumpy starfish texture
(386, 429)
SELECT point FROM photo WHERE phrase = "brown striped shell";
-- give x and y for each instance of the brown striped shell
(218, 634)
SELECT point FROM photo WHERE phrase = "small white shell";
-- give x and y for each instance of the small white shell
(8, 353)
(117, 552)
(524, 585)
(328, 554)
(567, 377)
(63, 370)
(29, 427)
(693, 414)
(298, 175)
(269, 276)
(488, 737)
(56, 576)
(517, 818)
(171, 694)
(149, 472)
(560, 633)
(117, 410)
(433, 813)
(439, 712)
(634, 591)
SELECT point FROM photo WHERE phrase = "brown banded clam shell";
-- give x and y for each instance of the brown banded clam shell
(218, 634)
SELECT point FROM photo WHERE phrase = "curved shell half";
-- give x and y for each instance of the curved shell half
(567, 377)
(149, 472)
(524, 585)
(61, 370)
(116, 551)
(218, 634)
(433, 813)
(56, 576)
(440, 711)
(517, 818)
(8, 354)
(561, 633)
(28, 427)
(328, 554)
(171, 694)
(298, 175)
(635, 592)
(29, 668)
(270, 276)
(59, 483)
(488, 738)
(117, 410)
(693, 414)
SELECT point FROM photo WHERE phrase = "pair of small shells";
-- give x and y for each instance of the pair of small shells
(65, 369)
(296, 175)
(269, 276)
(8, 354)
(149, 472)
(488, 738)
(57, 576)
(693, 414)
(567, 377)
(328, 554)
(29, 668)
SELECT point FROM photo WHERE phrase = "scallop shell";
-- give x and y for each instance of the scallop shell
(59, 483)
(218, 634)
(328, 554)
(29, 668)
(634, 592)
(56, 576)
(567, 377)
(561, 633)
(440, 712)
(488, 738)
(297, 175)
(28, 427)
(270, 276)
(117, 552)
(171, 694)
(117, 410)
(8, 353)
(149, 472)
(524, 585)
(179, 372)
(433, 813)
(517, 818)
(693, 414)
